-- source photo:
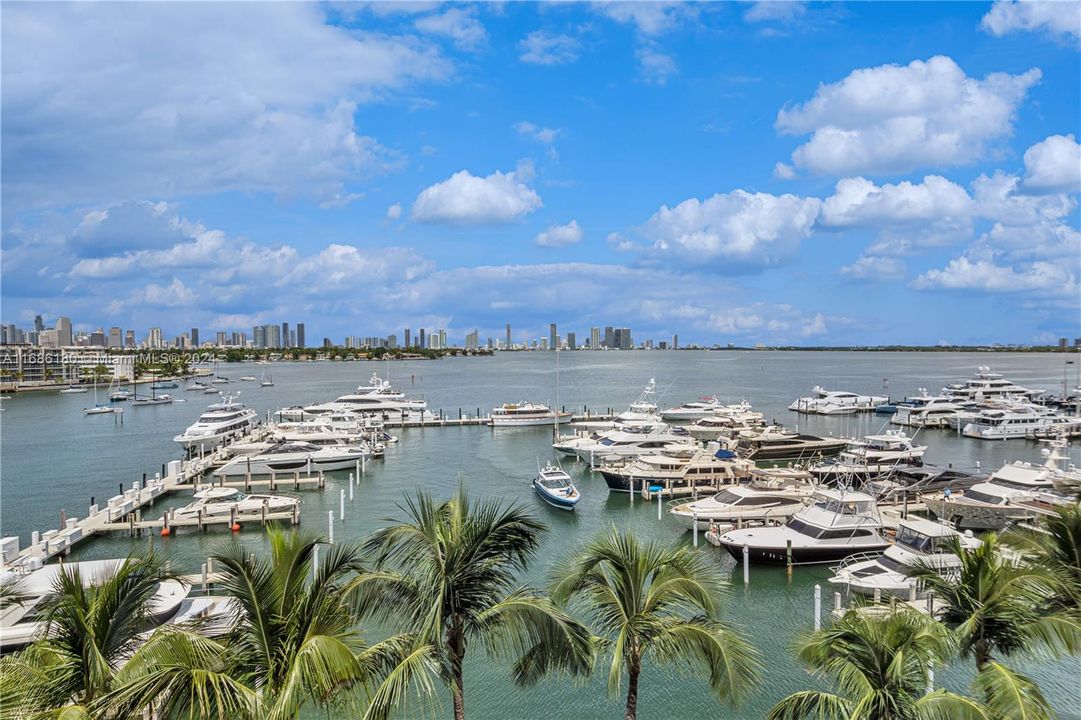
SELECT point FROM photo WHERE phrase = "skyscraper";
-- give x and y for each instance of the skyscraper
(274, 336)
(572, 341)
(553, 336)
(301, 343)
(63, 331)
(594, 338)
(442, 338)
(508, 336)
(258, 336)
(626, 343)
(609, 337)
(421, 336)
(471, 340)
(406, 338)
(285, 335)
(129, 339)
(116, 337)
(675, 342)
(154, 340)
(39, 324)
(195, 337)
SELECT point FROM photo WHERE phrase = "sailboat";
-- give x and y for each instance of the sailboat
(118, 394)
(266, 380)
(154, 398)
(99, 408)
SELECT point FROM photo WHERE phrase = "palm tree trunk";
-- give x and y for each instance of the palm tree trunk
(456, 651)
(634, 667)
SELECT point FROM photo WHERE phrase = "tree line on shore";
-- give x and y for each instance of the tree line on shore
(446, 576)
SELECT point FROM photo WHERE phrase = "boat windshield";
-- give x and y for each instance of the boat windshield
(844, 507)
(983, 497)
(915, 540)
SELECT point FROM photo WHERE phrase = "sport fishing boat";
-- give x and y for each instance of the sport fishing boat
(677, 466)
(556, 488)
(777, 443)
(751, 503)
(526, 414)
(837, 523)
(918, 542)
(220, 421)
(871, 457)
(295, 456)
(214, 502)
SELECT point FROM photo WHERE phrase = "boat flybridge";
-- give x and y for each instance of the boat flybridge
(287, 457)
(527, 414)
(676, 466)
(836, 402)
(691, 411)
(926, 411)
(212, 502)
(21, 623)
(778, 443)
(988, 385)
(553, 485)
(837, 523)
(1017, 491)
(726, 421)
(629, 442)
(871, 457)
(919, 542)
(220, 421)
(642, 412)
(751, 504)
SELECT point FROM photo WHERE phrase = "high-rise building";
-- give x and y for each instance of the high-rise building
(39, 324)
(594, 338)
(273, 336)
(154, 340)
(63, 332)
(301, 341)
(221, 339)
(97, 338)
(406, 339)
(258, 336)
(116, 337)
(421, 338)
(472, 341)
(292, 338)
(442, 339)
(285, 335)
(129, 339)
(572, 341)
(553, 336)
(675, 342)
(195, 337)
(626, 343)
(610, 337)
(509, 343)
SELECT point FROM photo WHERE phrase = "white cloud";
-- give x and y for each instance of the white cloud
(545, 135)
(891, 119)
(465, 199)
(783, 171)
(814, 326)
(870, 267)
(650, 18)
(394, 211)
(858, 202)
(149, 112)
(775, 10)
(654, 66)
(979, 274)
(541, 48)
(458, 24)
(1060, 18)
(1054, 164)
(998, 198)
(756, 229)
(560, 235)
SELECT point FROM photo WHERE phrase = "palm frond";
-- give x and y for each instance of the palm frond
(1011, 695)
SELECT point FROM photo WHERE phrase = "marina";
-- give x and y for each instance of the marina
(432, 453)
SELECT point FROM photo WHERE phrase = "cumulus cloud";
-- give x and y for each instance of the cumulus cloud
(858, 202)
(753, 229)
(457, 24)
(774, 10)
(1060, 19)
(151, 113)
(655, 67)
(964, 273)
(541, 48)
(870, 267)
(784, 171)
(649, 18)
(560, 235)
(892, 119)
(1054, 164)
(465, 199)
(394, 211)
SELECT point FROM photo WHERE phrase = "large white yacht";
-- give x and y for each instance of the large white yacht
(835, 402)
(630, 442)
(778, 443)
(295, 456)
(377, 397)
(926, 411)
(214, 502)
(743, 503)
(1014, 420)
(918, 542)
(837, 523)
(23, 622)
(738, 417)
(220, 421)
(1017, 491)
(871, 457)
(691, 411)
(525, 414)
(988, 385)
(677, 466)
(641, 413)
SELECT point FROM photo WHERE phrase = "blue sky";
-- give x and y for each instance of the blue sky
(733, 172)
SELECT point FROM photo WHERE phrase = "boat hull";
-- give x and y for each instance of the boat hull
(771, 555)
(549, 420)
(556, 501)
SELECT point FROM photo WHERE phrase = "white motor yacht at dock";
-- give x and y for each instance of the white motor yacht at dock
(691, 411)
(641, 413)
(918, 542)
(295, 457)
(1015, 421)
(726, 421)
(630, 442)
(778, 443)
(743, 504)
(213, 502)
(677, 466)
(221, 421)
(526, 414)
(378, 397)
(926, 411)
(836, 402)
(989, 385)
(871, 457)
(837, 523)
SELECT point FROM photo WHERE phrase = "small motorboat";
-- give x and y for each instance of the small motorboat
(555, 487)
(248, 377)
(164, 385)
(221, 501)
(98, 410)
(72, 390)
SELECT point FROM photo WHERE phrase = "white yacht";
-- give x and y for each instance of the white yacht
(691, 411)
(630, 442)
(1017, 491)
(73, 390)
(22, 623)
(988, 385)
(712, 427)
(1015, 421)
(744, 503)
(525, 414)
(220, 421)
(918, 542)
(871, 457)
(677, 466)
(295, 456)
(778, 443)
(642, 412)
(214, 502)
(556, 488)
(926, 411)
(837, 523)
(377, 397)
(836, 402)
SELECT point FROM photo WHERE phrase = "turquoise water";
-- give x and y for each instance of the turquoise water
(54, 458)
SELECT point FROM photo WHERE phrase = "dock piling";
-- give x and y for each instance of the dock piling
(341, 505)
(746, 564)
(658, 504)
(330, 526)
(350, 487)
(837, 602)
(818, 607)
(694, 527)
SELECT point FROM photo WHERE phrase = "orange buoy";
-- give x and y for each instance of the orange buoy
(235, 527)
(165, 532)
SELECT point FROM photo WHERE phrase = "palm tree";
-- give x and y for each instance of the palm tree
(660, 601)
(294, 641)
(91, 628)
(448, 571)
(1056, 547)
(880, 667)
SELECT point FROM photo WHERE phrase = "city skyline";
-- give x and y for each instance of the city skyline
(662, 165)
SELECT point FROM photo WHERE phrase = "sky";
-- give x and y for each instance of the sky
(766, 172)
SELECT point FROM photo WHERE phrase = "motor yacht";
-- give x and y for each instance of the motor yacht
(871, 457)
(556, 488)
(691, 411)
(526, 414)
(746, 504)
(988, 385)
(214, 502)
(925, 411)
(289, 457)
(913, 481)
(377, 397)
(248, 378)
(641, 413)
(1017, 491)
(919, 542)
(837, 523)
(631, 442)
(836, 402)
(1015, 421)
(24, 622)
(712, 427)
(676, 466)
(222, 420)
(778, 443)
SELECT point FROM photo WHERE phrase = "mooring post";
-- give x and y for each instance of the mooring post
(746, 564)
(341, 505)
(818, 607)
(330, 525)
(694, 527)
(350, 487)
(658, 504)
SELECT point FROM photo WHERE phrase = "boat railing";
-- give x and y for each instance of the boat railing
(854, 559)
